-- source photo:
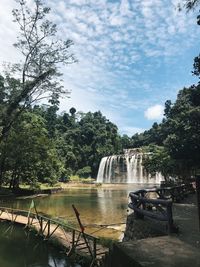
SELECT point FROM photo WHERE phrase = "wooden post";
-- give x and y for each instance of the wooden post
(198, 196)
(78, 218)
(48, 229)
(94, 248)
(73, 237)
(170, 218)
(143, 196)
(41, 224)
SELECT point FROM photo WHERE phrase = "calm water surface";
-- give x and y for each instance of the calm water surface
(20, 248)
(100, 208)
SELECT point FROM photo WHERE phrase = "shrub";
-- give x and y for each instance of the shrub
(84, 172)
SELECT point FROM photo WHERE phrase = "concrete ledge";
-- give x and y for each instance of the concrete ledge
(164, 251)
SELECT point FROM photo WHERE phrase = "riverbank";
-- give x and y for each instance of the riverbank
(117, 186)
(45, 189)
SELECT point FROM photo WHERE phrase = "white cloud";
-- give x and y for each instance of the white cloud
(130, 131)
(119, 45)
(154, 112)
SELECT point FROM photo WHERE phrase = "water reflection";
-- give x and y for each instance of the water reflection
(20, 248)
(97, 206)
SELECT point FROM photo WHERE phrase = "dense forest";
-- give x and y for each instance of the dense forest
(45, 146)
(39, 144)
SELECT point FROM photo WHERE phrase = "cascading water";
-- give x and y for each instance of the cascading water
(101, 171)
(126, 168)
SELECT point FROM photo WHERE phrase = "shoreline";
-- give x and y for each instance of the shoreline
(48, 190)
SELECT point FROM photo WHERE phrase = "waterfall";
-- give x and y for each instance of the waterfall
(106, 169)
(126, 168)
(100, 176)
(131, 163)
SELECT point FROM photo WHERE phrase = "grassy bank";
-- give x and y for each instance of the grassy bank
(45, 188)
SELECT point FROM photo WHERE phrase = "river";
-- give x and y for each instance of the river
(103, 210)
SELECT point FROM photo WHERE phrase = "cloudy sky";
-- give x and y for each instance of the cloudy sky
(132, 55)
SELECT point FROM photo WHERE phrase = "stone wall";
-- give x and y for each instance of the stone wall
(142, 228)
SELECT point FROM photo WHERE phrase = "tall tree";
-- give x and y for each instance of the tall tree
(37, 73)
(30, 156)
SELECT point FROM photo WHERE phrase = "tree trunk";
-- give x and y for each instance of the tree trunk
(15, 183)
(2, 167)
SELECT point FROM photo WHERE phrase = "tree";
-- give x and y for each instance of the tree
(72, 111)
(84, 172)
(30, 156)
(159, 160)
(37, 74)
(191, 5)
(83, 142)
(179, 153)
(99, 137)
(183, 141)
(126, 141)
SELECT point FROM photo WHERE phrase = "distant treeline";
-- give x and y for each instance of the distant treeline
(44, 146)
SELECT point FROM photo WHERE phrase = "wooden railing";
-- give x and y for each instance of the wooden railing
(157, 203)
(158, 209)
(176, 193)
(77, 240)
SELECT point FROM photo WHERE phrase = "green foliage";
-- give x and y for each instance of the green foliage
(158, 160)
(42, 51)
(175, 142)
(29, 154)
(83, 140)
(84, 172)
(39, 146)
(183, 140)
(126, 141)
(35, 77)
(153, 136)
(88, 180)
(75, 178)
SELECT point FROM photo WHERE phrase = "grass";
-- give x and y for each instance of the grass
(5, 191)
(78, 179)
(40, 186)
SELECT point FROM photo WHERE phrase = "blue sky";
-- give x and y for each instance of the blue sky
(132, 55)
